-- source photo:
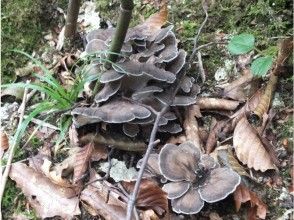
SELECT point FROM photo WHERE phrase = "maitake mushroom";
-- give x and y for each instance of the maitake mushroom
(194, 177)
(142, 78)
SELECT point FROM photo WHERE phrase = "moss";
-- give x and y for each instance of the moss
(14, 202)
(21, 29)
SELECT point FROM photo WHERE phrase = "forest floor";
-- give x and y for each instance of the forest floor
(33, 26)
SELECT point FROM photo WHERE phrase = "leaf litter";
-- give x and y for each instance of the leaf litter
(75, 180)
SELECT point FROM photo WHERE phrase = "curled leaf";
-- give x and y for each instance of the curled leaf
(47, 198)
(243, 195)
(150, 196)
(214, 103)
(249, 148)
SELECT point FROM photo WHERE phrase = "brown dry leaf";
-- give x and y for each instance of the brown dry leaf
(94, 199)
(191, 127)
(225, 156)
(249, 106)
(249, 148)
(4, 143)
(243, 195)
(99, 153)
(81, 161)
(150, 196)
(213, 136)
(56, 174)
(149, 215)
(285, 50)
(155, 21)
(235, 90)
(265, 100)
(47, 198)
(73, 136)
(215, 103)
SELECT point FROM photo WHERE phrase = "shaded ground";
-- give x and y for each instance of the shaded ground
(267, 20)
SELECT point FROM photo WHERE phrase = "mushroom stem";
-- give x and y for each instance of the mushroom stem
(121, 30)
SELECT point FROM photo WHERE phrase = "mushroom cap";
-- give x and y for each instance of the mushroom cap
(177, 64)
(152, 167)
(176, 189)
(219, 183)
(131, 130)
(110, 75)
(135, 68)
(170, 127)
(179, 163)
(186, 84)
(162, 34)
(189, 203)
(145, 92)
(170, 51)
(102, 34)
(108, 90)
(95, 45)
(118, 111)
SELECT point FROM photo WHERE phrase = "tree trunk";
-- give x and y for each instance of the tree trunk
(125, 16)
(71, 18)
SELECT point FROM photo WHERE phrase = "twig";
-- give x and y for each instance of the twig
(13, 147)
(204, 7)
(201, 69)
(132, 199)
(208, 44)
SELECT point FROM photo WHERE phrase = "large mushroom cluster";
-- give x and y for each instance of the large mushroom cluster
(141, 81)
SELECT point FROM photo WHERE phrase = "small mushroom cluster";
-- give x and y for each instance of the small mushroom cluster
(194, 178)
(142, 79)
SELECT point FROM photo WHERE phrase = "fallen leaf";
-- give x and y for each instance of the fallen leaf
(150, 196)
(226, 157)
(265, 100)
(98, 199)
(149, 215)
(47, 198)
(56, 174)
(155, 21)
(82, 158)
(214, 103)
(99, 153)
(191, 127)
(249, 148)
(235, 90)
(243, 195)
(213, 136)
(73, 136)
(4, 143)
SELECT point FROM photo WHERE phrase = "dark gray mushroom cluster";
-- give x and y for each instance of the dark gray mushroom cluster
(194, 178)
(143, 78)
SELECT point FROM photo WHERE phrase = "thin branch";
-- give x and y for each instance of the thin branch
(175, 88)
(13, 147)
(194, 51)
(133, 197)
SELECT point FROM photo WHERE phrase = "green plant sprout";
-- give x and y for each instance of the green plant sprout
(244, 43)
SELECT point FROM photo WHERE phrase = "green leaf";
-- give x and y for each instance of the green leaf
(261, 65)
(241, 44)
